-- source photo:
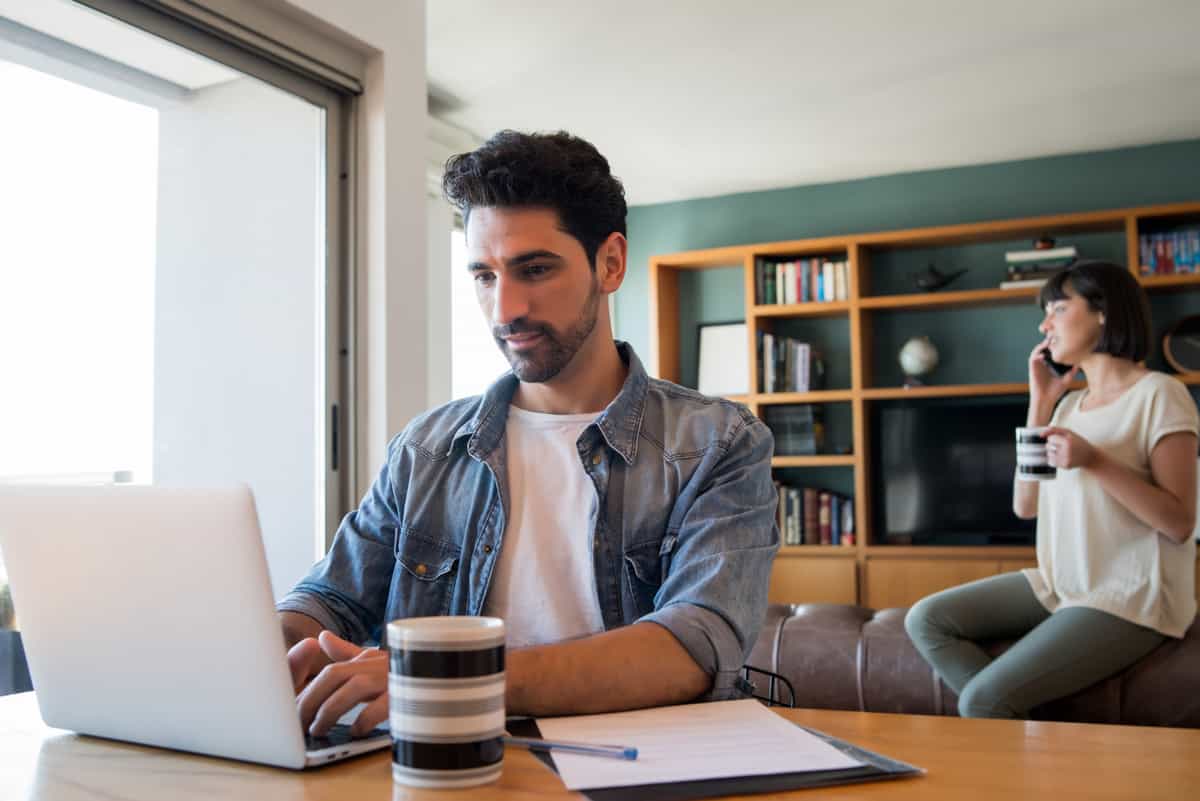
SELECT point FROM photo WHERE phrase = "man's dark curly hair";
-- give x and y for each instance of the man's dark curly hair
(556, 171)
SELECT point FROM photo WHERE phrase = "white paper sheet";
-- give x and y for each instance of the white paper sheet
(685, 743)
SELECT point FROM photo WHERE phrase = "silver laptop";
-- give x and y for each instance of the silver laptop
(146, 615)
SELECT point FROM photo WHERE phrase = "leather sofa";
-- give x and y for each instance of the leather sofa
(850, 657)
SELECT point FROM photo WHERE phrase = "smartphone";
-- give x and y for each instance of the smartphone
(1058, 367)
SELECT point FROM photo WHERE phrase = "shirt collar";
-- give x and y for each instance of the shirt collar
(620, 423)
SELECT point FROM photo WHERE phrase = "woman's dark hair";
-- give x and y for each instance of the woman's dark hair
(1114, 292)
(556, 171)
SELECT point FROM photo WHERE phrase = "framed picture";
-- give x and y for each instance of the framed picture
(724, 354)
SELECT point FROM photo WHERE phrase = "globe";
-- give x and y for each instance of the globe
(918, 356)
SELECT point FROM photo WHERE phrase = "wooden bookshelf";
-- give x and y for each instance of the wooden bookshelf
(870, 571)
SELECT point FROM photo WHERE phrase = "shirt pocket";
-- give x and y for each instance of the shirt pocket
(424, 576)
(646, 565)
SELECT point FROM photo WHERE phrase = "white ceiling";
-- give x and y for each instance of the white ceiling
(90, 30)
(695, 98)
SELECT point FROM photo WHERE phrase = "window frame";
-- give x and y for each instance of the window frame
(202, 31)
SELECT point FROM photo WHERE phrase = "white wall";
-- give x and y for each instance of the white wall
(439, 224)
(392, 288)
(237, 336)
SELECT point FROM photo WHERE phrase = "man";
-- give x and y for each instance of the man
(622, 526)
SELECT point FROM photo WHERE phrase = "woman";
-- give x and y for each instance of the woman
(1116, 558)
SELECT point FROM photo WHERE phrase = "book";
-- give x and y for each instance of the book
(812, 520)
(823, 517)
(1023, 283)
(1043, 255)
(795, 428)
(1037, 268)
(795, 537)
(848, 521)
(835, 519)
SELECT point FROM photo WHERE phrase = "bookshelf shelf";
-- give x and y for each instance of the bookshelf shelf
(815, 309)
(1170, 282)
(824, 551)
(819, 460)
(872, 571)
(952, 551)
(975, 297)
(948, 391)
(821, 396)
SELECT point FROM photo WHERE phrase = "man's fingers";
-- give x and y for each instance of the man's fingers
(355, 690)
(372, 715)
(319, 689)
(336, 648)
(304, 659)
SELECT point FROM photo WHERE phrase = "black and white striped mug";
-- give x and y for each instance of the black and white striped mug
(1032, 461)
(446, 691)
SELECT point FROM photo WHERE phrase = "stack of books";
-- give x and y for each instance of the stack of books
(799, 430)
(1170, 253)
(810, 516)
(1035, 267)
(817, 280)
(788, 365)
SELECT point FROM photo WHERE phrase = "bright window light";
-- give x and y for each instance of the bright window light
(77, 212)
(476, 361)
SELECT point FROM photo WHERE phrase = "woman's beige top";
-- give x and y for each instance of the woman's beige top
(1092, 551)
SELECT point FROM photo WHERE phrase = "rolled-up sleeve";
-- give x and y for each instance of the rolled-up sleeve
(713, 596)
(347, 591)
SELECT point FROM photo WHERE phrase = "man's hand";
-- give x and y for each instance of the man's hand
(332, 676)
(305, 661)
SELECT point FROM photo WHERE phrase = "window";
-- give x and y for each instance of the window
(476, 361)
(173, 300)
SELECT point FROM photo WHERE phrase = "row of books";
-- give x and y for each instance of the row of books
(798, 429)
(809, 516)
(1034, 267)
(1170, 253)
(801, 281)
(788, 365)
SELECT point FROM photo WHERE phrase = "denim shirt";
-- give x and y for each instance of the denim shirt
(684, 534)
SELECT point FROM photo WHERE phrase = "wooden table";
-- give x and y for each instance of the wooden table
(965, 759)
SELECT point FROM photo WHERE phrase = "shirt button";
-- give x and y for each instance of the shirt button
(487, 549)
(422, 570)
(596, 459)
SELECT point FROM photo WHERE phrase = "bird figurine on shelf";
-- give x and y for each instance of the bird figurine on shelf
(932, 279)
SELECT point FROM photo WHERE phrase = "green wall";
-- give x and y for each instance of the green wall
(1163, 173)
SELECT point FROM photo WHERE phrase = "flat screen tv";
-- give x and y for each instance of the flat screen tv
(943, 472)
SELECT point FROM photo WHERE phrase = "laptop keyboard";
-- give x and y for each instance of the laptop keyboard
(339, 735)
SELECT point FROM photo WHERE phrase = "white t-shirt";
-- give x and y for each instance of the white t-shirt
(544, 585)
(1092, 551)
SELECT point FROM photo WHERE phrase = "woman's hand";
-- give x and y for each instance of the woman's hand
(1045, 385)
(1066, 449)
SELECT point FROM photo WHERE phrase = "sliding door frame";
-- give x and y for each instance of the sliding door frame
(256, 54)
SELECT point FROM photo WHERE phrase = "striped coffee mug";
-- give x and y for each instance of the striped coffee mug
(446, 691)
(1032, 462)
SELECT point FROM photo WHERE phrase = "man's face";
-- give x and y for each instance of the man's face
(535, 286)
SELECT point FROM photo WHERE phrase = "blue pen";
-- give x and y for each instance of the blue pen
(535, 744)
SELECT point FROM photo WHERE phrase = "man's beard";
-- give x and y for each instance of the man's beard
(554, 351)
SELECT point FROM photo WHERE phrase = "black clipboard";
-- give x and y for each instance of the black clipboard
(876, 767)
